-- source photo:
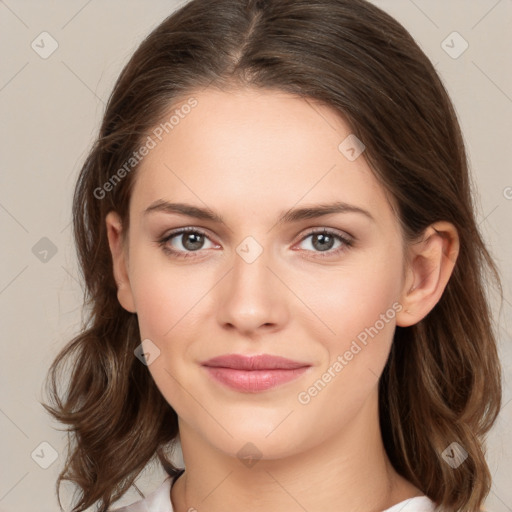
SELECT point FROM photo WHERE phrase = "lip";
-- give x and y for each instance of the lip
(254, 373)
(257, 362)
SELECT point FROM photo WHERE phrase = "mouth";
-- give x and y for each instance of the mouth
(253, 374)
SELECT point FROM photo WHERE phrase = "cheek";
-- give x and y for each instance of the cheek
(166, 295)
(168, 301)
(359, 304)
(361, 309)
(353, 298)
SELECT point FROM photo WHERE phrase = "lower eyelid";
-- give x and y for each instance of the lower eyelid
(346, 241)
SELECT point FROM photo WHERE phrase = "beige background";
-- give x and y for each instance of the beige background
(51, 109)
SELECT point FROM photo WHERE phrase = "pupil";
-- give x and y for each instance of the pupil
(325, 240)
(192, 245)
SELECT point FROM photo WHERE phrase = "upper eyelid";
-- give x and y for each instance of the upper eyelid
(309, 232)
(182, 231)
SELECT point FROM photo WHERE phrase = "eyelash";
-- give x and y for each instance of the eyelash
(346, 242)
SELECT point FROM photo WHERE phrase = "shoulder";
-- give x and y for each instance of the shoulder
(157, 501)
(416, 504)
(420, 504)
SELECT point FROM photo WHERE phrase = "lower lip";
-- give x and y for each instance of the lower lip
(253, 381)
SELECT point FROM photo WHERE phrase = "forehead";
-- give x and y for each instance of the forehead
(250, 149)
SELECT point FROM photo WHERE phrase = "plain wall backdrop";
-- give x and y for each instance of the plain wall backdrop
(59, 61)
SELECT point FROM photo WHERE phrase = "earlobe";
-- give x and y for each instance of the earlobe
(119, 260)
(431, 261)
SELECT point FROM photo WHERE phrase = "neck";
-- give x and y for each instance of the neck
(349, 471)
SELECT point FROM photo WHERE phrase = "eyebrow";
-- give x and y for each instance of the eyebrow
(289, 216)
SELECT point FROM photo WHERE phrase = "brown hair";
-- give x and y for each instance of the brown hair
(442, 381)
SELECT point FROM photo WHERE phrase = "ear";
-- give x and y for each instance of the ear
(430, 264)
(118, 249)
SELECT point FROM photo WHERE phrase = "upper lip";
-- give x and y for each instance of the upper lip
(258, 362)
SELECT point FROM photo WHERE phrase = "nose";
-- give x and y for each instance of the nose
(252, 298)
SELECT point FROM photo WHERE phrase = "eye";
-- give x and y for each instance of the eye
(323, 241)
(185, 242)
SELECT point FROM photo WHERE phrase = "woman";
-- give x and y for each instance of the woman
(284, 272)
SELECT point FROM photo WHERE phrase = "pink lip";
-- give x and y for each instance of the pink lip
(255, 373)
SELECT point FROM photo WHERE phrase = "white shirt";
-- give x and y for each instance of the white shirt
(160, 501)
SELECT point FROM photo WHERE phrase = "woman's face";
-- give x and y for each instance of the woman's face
(265, 280)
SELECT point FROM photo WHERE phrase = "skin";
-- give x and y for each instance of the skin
(250, 155)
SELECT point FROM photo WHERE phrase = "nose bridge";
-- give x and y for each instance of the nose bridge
(252, 296)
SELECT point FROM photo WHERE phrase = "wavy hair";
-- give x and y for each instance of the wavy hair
(442, 381)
